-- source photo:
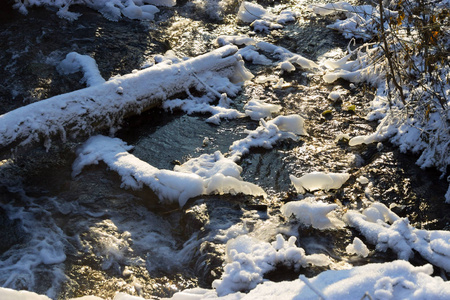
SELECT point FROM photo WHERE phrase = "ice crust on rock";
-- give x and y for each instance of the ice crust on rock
(319, 181)
(169, 186)
(315, 213)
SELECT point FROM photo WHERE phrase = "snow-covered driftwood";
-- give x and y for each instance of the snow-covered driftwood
(103, 106)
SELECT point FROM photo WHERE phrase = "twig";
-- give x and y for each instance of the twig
(309, 284)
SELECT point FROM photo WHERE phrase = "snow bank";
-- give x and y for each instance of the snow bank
(406, 118)
(393, 280)
(319, 181)
(9, 294)
(105, 105)
(317, 214)
(385, 229)
(248, 259)
(110, 9)
(169, 186)
(269, 133)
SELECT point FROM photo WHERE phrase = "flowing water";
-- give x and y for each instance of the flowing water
(68, 237)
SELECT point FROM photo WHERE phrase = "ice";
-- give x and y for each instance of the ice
(257, 109)
(319, 181)
(314, 213)
(169, 186)
(75, 62)
(358, 248)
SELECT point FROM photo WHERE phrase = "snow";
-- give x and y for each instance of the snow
(269, 133)
(106, 104)
(358, 248)
(10, 294)
(426, 134)
(257, 109)
(169, 186)
(110, 9)
(75, 62)
(201, 105)
(249, 53)
(249, 12)
(319, 181)
(383, 228)
(248, 259)
(313, 213)
(394, 280)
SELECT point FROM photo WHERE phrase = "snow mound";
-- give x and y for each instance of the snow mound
(358, 248)
(248, 259)
(319, 181)
(317, 214)
(269, 133)
(257, 109)
(383, 228)
(75, 62)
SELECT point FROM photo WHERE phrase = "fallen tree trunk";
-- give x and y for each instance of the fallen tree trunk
(104, 106)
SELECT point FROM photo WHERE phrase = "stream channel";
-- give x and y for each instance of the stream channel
(106, 239)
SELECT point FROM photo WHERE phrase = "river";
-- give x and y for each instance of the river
(69, 237)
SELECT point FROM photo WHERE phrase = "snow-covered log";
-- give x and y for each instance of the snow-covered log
(103, 106)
